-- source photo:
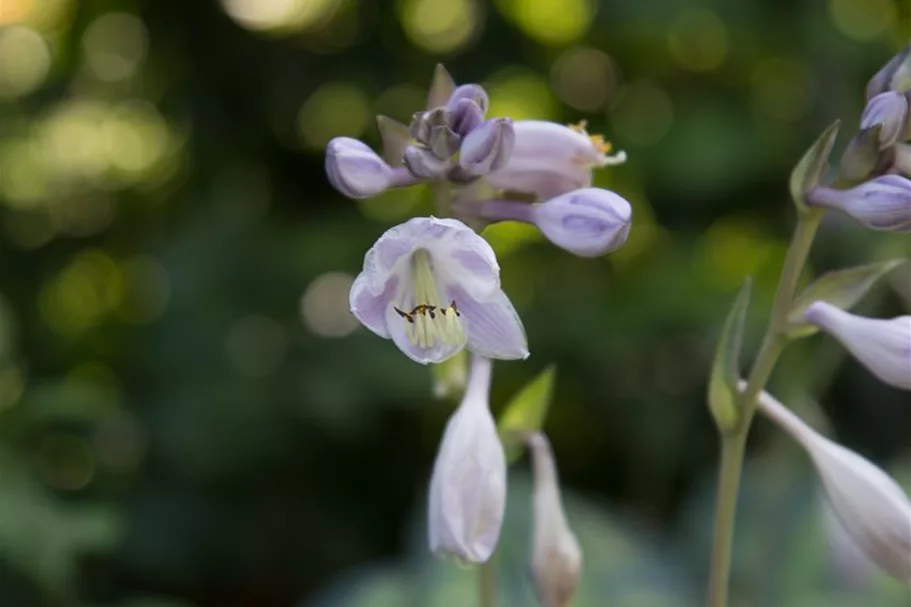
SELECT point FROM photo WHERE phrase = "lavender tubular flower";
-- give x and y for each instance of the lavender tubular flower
(432, 286)
(488, 147)
(889, 109)
(556, 558)
(357, 171)
(883, 203)
(467, 498)
(883, 346)
(871, 506)
(550, 159)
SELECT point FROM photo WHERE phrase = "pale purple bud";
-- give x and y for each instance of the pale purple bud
(424, 164)
(863, 158)
(588, 222)
(894, 76)
(471, 92)
(466, 116)
(889, 109)
(556, 558)
(883, 203)
(443, 142)
(422, 123)
(487, 148)
(355, 170)
(869, 504)
(882, 346)
(467, 497)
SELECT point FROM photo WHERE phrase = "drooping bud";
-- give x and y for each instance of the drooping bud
(556, 558)
(355, 170)
(882, 346)
(468, 487)
(487, 148)
(889, 109)
(870, 505)
(894, 76)
(883, 203)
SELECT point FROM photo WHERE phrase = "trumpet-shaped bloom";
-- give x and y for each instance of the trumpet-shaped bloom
(432, 286)
(549, 159)
(467, 498)
(556, 558)
(871, 506)
(882, 346)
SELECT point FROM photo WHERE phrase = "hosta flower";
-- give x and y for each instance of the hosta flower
(467, 497)
(871, 506)
(890, 111)
(588, 222)
(432, 286)
(883, 203)
(556, 559)
(358, 172)
(882, 346)
(550, 159)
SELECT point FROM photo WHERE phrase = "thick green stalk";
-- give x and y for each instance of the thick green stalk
(486, 584)
(733, 444)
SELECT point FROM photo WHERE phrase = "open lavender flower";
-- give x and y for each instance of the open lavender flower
(432, 286)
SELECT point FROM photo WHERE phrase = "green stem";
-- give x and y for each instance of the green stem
(486, 585)
(733, 445)
(442, 198)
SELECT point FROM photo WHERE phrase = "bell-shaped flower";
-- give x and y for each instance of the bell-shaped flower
(882, 346)
(556, 558)
(432, 286)
(467, 497)
(358, 172)
(871, 506)
(550, 159)
(883, 203)
(889, 109)
(488, 147)
(587, 222)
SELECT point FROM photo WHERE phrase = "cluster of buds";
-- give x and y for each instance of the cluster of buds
(876, 164)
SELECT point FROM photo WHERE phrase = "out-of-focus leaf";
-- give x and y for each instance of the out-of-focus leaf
(723, 392)
(842, 288)
(450, 376)
(809, 170)
(395, 138)
(526, 412)
(440, 88)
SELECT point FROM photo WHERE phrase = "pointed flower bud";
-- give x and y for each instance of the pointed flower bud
(550, 159)
(487, 148)
(424, 164)
(587, 222)
(466, 116)
(883, 203)
(468, 488)
(894, 76)
(889, 109)
(357, 171)
(882, 346)
(470, 92)
(871, 506)
(556, 558)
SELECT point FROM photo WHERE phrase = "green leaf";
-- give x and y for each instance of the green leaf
(451, 376)
(526, 412)
(395, 138)
(842, 288)
(809, 170)
(723, 391)
(441, 88)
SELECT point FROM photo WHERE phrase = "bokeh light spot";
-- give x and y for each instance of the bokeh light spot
(115, 45)
(147, 289)
(394, 205)
(66, 461)
(508, 237)
(23, 173)
(729, 250)
(399, 102)
(782, 89)
(441, 26)
(82, 294)
(256, 345)
(698, 40)
(135, 137)
(552, 22)
(585, 78)
(520, 95)
(324, 306)
(335, 109)
(280, 15)
(862, 20)
(643, 113)
(25, 61)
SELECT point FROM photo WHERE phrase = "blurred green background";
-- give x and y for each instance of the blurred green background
(190, 416)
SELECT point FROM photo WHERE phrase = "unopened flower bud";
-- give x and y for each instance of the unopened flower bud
(443, 142)
(882, 346)
(466, 116)
(355, 170)
(468, 489)
(863, 157)
(894, 76)
(424, 164)
(470, 92)
(870, 505)
(422, 123)
(889, 109)
(883, 203)
(556, 558)
(588, 222)
(487, 148)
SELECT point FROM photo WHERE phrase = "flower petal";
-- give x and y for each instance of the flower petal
(370, 308)
(492, 326)
(436, 353)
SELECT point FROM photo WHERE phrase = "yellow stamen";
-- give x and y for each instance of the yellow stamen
(600, 144)
(429, 321)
